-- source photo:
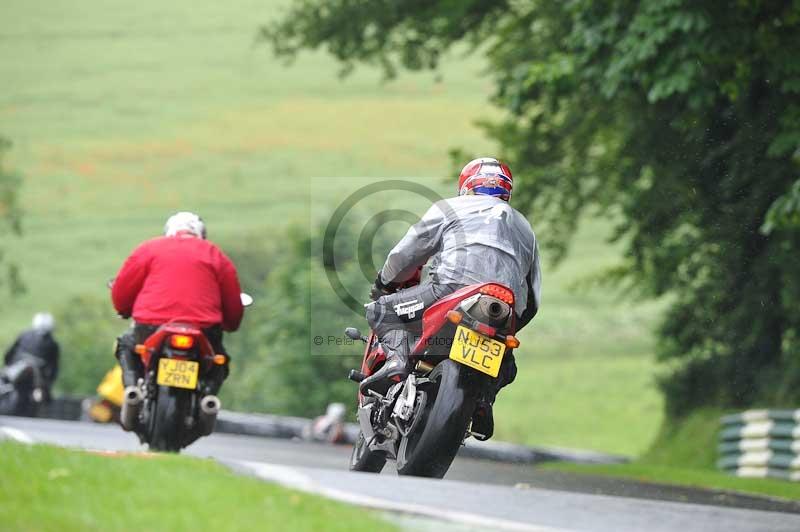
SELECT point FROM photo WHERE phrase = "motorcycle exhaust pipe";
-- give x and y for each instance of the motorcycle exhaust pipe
(131, 407)
(210, 406)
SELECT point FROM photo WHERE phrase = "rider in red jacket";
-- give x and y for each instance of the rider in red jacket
(178, 277)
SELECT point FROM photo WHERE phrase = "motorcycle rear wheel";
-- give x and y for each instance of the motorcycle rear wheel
(430, 448)
(167, 432)
(364, 460)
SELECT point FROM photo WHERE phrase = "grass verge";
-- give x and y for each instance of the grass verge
(47, 488)
(695, 478)
(684, 454)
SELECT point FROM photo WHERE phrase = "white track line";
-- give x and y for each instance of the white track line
(291, 478)
(17, 435)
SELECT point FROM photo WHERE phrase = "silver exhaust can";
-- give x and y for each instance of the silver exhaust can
(210, 406)
(131, 407)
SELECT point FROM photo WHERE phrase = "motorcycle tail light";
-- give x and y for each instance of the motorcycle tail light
(455, 317)
(512, 342)
(500, 292)
(181, 341)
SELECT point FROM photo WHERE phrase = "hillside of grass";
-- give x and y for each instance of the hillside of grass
(47, 488)
(121, 116)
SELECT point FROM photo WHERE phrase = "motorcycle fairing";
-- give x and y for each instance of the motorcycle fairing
(157, 339)
(436, 316)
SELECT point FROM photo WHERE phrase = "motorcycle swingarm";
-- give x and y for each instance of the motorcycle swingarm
(382, 440)
(402, 401)
(365, 421)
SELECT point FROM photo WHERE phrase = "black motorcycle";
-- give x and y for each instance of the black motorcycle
(23, 389)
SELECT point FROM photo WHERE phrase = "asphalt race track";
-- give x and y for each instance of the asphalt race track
(481, 495)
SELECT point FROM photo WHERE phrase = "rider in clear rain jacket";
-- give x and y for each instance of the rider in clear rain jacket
(474, 238)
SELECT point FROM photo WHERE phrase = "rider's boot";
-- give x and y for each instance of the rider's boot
(396, 368)
(483, 417)
(132, 371)
(129, 361)
(483, 421)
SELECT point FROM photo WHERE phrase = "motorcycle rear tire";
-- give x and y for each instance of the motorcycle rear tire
(168, 428)
(429, 450)
(363, 460)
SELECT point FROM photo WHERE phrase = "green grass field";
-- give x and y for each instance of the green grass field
(44, 488)
(121, 115)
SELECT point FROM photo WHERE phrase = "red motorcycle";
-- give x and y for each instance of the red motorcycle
(423, 421)
(168, 410)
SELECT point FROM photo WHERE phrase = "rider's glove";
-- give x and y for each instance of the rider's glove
(379, 289)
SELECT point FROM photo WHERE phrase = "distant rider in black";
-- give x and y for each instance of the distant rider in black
(36, 344)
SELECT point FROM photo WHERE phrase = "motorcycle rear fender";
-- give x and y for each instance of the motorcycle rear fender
(169, 352)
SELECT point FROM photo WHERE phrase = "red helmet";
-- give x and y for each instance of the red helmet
(486, 176)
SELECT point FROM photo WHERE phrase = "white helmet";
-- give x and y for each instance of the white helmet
(185, 221)
(44, 322)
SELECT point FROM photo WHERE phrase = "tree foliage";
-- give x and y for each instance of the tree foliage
(680, 118)
(9, 218)
(87, 328)
(278, 363)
